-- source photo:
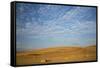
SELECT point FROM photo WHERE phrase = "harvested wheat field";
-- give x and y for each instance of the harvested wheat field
(56, 55)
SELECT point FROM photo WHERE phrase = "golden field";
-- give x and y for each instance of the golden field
(56, 55)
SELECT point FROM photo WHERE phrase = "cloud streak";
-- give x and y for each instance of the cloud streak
(52, 21)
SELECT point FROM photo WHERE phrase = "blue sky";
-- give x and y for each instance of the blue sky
(43, 26)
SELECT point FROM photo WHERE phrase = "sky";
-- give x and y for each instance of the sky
(43, 26)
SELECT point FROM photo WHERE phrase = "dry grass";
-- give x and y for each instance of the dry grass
(56, 55)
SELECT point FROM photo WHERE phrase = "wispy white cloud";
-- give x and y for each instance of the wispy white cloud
(65, 24)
